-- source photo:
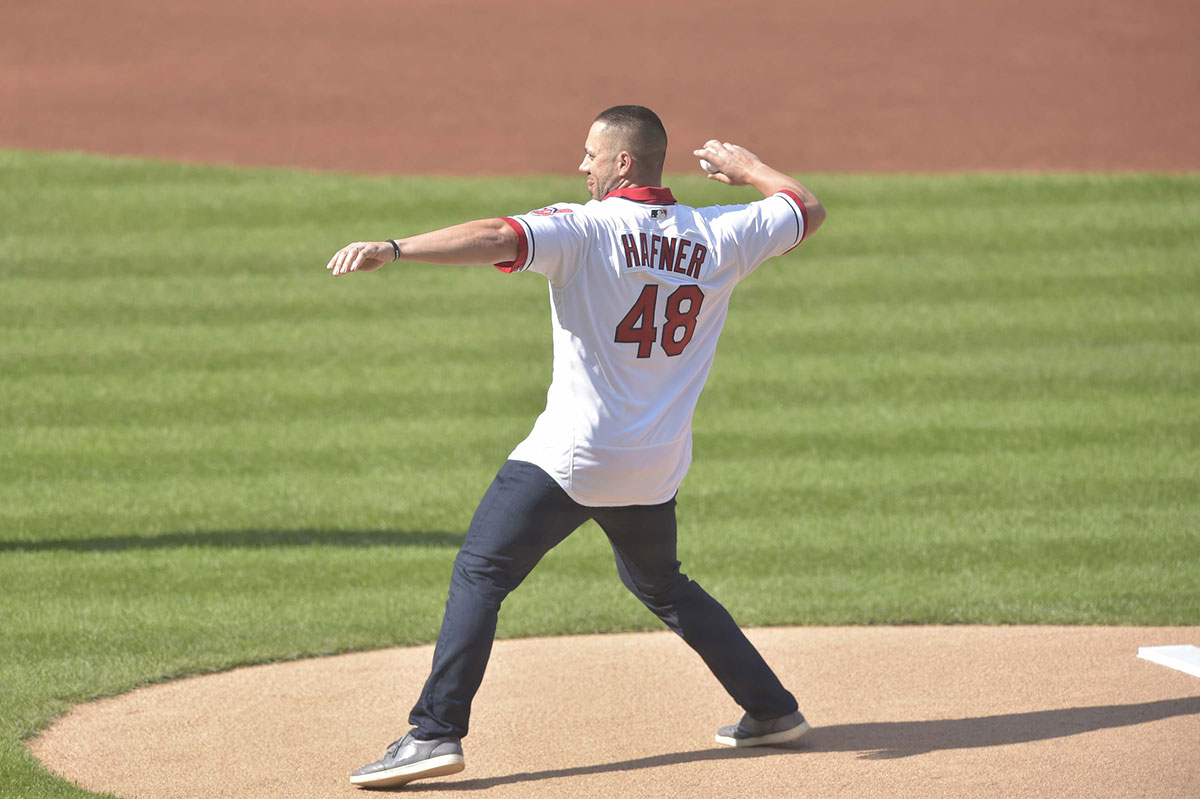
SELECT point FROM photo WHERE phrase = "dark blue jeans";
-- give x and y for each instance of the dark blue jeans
(524, 515)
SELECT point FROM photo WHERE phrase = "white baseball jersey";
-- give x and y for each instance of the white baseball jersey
(639, 288)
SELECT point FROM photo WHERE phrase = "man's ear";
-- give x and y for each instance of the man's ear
(624, 163)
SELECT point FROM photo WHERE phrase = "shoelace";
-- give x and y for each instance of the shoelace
(394, 746)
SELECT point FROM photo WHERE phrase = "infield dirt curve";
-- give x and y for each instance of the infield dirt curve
(484, 88)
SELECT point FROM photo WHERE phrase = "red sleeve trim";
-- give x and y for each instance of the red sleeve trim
(803, 215)
(522, 248)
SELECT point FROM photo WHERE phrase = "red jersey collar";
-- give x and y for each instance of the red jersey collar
(655, 195)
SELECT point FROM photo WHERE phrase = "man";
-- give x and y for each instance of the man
(639, 289)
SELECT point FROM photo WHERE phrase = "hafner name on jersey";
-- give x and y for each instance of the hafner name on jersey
(665, 253)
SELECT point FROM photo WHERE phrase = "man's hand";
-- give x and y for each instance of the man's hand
(361, 256)
(737, 166)
(734, 164)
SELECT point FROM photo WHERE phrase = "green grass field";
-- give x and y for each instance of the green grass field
(969, 399)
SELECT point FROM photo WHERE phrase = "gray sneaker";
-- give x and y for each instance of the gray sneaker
(749, 732)
(411, 759)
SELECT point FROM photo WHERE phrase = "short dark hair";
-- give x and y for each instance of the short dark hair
(641, 132)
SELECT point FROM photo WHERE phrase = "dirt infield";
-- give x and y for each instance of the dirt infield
(478, 87)
(931, 712)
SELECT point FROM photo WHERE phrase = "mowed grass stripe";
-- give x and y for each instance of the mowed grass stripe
(969, 399)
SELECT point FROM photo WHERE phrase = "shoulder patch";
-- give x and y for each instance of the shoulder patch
(551, 211)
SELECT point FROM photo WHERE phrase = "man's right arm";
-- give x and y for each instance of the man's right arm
(737, 166)
(484, 241)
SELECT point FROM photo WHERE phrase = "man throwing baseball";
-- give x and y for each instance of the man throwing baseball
(639, 289)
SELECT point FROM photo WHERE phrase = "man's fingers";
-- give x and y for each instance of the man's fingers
(343, 260)
(712, 157)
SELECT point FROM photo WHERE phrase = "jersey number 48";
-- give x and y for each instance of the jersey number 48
(683, 305)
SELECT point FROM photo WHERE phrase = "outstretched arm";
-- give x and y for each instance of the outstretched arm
(484, 241)
(737, 166)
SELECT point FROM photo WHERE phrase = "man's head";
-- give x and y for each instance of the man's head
(626, 146)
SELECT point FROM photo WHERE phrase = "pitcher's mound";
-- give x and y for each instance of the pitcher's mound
(896, 711)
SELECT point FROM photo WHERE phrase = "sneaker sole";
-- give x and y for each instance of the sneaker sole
(433, 767)
(764, 740)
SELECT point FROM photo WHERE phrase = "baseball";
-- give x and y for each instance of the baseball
(707, 166)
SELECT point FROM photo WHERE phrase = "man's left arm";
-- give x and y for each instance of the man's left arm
(484, 241)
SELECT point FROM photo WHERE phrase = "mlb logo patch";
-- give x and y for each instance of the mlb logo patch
(658, 213)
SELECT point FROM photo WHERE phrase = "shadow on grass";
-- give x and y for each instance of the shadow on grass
(886, 740)
(241, 539)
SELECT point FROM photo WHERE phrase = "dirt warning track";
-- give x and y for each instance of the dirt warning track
(476, 87)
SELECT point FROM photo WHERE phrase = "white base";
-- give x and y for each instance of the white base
(1185, 658)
